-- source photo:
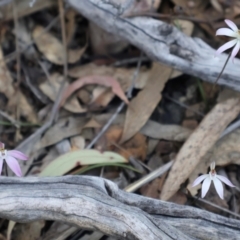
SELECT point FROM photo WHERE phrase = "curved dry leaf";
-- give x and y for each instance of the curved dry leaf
(101, 80)
(52, 48)
(142, 106)
(122, 75)
(199, 143)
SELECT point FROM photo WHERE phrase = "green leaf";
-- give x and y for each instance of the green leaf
(68, 161)
(87, 168)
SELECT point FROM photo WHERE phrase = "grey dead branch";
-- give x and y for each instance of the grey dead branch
(96, 203)
(160, 41)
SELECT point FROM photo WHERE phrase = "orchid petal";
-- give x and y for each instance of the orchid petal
(1, 165)
(17, 154)
(14, 165)
(225, 180)
(231, 24)
(219, 187)
(235, 50)
(199, 179)
(205, 186)
(2, 145)
(226, 32)
(226, 46)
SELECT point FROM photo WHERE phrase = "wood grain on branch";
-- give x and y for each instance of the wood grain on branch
(160, 41)
(97, 204)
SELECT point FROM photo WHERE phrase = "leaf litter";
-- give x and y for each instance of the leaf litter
(171, 119)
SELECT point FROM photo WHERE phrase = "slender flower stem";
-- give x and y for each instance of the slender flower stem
(224, 66)
(5, 168)
(220, 74)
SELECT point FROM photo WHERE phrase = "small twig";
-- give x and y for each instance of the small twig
(130, 61)
(230, 129)
(47, 76)
(9, 118)
(119, 109)
(15, 15)
(64, 38)
(216, 206)
(38, 94)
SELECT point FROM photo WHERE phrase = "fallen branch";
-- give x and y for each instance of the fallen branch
(97, 204)
(160, 41)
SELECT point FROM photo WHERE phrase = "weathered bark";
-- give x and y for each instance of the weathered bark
(97, 204)
(160, 41)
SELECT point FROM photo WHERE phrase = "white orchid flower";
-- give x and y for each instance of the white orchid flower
(208, 178)
(11, 156)
(232, 32)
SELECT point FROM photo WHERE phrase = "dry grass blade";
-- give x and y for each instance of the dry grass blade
(142, 106)
(197, 145)
(148, 178)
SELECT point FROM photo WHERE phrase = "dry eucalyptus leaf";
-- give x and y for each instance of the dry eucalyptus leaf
(185, 26)
(70, 24)
(168, 132)
(6, 87)
(142, 106)
(227, 93)
(192, 7)
(141, 6)
(199, 143)
(152, 189)
(101, 96)
(94, 79)
(103, 118)
(77, 143)
(217, 5)
(50, 88)
(64, 128)
(52, 48)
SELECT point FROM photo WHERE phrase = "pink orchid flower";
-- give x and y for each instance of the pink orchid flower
(208, 178)
(232, 32)
(11, 159)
